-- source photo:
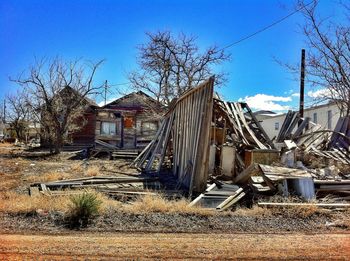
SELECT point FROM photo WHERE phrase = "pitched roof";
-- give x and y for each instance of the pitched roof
(89, 101)
(138, 93)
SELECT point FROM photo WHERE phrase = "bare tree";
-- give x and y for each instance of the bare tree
(57, 94)
(2, 111)
(328, 55)
(18, 114)
(170, 65)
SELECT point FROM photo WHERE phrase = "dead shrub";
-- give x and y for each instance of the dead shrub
(92, 171)
(157, 203)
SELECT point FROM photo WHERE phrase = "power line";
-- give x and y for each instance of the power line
(118, 84)
(267, 27)
(250, 35)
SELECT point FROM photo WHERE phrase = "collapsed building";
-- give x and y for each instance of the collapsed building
(219, 149)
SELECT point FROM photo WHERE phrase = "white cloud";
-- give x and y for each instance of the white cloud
(266, 102)
(296, 94)
(321, 93)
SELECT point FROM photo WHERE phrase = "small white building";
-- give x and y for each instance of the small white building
(327, 115)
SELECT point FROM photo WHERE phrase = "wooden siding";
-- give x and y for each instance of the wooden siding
(185, 131)
(86, 135)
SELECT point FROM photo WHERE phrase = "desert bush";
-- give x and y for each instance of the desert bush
(83, 208)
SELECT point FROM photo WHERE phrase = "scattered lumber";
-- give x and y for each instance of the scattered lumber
(101, 183)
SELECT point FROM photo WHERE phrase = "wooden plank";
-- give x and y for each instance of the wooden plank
(245, 175)
(280, 173)
(231, 200)
(34, 191)
(329, 205)
(247, 128)
(331, 182)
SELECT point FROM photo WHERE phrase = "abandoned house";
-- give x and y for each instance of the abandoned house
(129, 122)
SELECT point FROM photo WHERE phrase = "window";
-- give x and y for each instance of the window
(277, 125)
(329, 119)
(149, 127)
(315, 117)
(108, 128)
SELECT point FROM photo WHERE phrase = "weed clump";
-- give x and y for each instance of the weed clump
(83, 208)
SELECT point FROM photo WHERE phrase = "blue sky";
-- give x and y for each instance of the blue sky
(111, 30)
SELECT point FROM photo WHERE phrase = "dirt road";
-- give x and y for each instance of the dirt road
(141, 246)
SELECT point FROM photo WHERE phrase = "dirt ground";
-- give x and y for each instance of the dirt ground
(145, 246)
(156, 230)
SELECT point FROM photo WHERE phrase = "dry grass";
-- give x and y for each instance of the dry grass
(295, 211)
(11, 202)
(77, 167)
(10, 175)
(92, 171)
(157, 203)
(5, 144)
(107, 203)
(255, 211)
(301, 211)
(77, 172)
(47, 177)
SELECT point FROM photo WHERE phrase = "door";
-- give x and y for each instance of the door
(129, 132)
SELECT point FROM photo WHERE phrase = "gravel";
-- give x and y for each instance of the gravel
(116, 221)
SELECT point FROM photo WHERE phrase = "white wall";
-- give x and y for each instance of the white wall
(269, 125)
(321, 111)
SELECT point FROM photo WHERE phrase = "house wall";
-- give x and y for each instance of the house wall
(86, 135)
(129, 122)
(132, 127)
(272, 125)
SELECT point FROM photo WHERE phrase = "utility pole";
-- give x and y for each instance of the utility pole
(4, 116)
(302, 80)
(106, 92)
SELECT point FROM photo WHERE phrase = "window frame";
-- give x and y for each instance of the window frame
(110, 123)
